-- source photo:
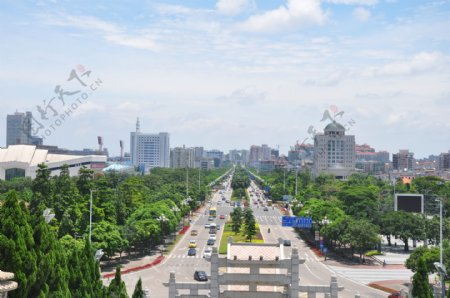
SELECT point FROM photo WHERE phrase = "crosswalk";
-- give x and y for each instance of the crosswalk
(268, 219)
(367, 276)
(184, 256)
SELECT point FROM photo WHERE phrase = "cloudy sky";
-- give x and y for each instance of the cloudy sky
(229, 73)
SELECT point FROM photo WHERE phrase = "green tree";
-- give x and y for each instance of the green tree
(117, 287)
(17, 246)
(362, 235)
(138, 292)
(42, 188)
(420, 283)
(85, 180)
(250, 229)
(236, 219)
(66, 193)
(107, 236)
(428, 254)
(408, 226)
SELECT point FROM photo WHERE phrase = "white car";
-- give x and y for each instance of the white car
(207, 254)
(207, 225)
(212, 236)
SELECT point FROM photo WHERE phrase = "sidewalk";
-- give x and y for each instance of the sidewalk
(139, 262)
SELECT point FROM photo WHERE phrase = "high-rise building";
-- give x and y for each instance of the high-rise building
(182, 157)
(18, 129)
(216, 156)
(444, 161)
(403, 160)
(366, 153)
(334, 152)
(149, 150)
(266, 152)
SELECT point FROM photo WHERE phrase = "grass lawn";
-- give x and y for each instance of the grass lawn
(236, 237)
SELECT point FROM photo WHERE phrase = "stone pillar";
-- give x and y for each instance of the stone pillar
(357, 295)
(327, 295)
(334, 289)
(6, 284)
(437, 290)
(229, 243)
(172, 285)
(214, 280)
(311, 294)
(295, 278)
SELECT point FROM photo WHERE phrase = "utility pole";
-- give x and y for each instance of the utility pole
(90, 215)
(296, 178)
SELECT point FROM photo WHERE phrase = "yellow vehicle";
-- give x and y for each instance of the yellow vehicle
(192, 244)
(194, 233)
(213, 211)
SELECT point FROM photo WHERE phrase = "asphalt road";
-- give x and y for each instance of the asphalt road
(312, 272)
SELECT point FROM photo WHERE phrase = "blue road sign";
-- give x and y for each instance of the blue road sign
(296, 222)
(325, 250)
(321, 245)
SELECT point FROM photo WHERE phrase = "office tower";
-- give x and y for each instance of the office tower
(334, 152)
(403, 160)
(149, 150)
(266, 152)
(182, 157)
(18, 129)
(444, 161)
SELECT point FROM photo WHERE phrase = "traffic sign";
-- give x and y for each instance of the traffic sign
(296, 222)
(321, 245)
(325, 250)
(316, 235)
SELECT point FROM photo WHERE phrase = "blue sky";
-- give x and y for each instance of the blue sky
(231, 73)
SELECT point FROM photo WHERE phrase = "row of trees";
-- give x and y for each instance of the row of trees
(130, 213)
(243, 222)
(340, 208)
(240, 182)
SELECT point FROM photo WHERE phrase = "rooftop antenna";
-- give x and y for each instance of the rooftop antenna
(138, 125)
(121, 150)
(100, 143)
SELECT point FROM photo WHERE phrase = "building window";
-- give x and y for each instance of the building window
(14, 173)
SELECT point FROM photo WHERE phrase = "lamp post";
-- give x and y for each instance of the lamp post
(441, 267)
(162, 218)
(48, 215)
(296, 181)
(90, 215)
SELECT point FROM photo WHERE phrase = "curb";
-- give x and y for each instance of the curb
(138, 268)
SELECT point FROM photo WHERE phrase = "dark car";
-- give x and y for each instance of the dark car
(200, 276)
(396, 295)
(287, 242)
(192, 252)
(210, 242)
(266, 209)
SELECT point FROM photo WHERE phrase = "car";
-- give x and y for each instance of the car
(218, 227)
(287, 242)
(200, 276)
(210, 218)
(194, 233)
(396, 295)
(238, 204)
(207, 225)
(192, 244)
(266, 209)
(210, 242)
(222, 216)
(207, 254)
(192, 252)
(212, 236)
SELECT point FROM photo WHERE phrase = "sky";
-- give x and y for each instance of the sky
(228, 74)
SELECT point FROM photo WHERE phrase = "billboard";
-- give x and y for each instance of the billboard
(409, 202)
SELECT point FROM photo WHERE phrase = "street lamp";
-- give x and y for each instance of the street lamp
(98, 254)
(48, 215)
(162, 218)
(90, 215)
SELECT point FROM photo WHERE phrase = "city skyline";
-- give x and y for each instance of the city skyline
(230, 74)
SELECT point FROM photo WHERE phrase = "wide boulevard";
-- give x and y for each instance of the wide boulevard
(313, 272)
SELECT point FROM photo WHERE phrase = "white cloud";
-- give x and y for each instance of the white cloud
(247, 95)
(296, 13)
(361, 14)
(354, 2)
(110, 32)
(234, 7)
(417, 64)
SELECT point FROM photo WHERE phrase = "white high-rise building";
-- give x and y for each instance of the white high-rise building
(182, 157)
(149, 150)
(334, 152)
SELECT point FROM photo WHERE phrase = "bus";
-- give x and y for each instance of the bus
(213, 211)
(269, 202)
